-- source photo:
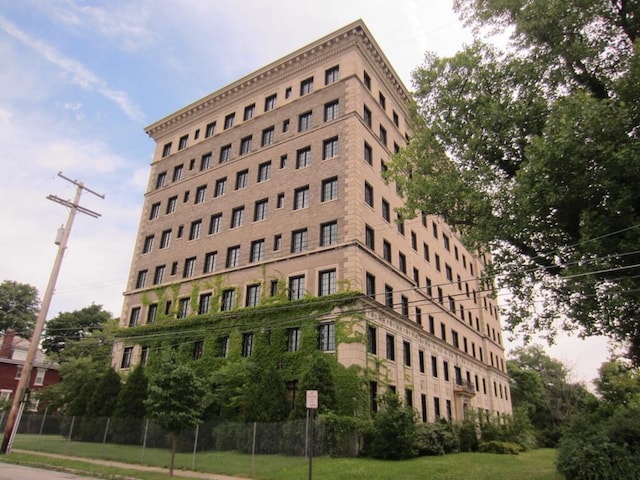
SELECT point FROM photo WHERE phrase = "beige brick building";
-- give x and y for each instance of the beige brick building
(275, 182)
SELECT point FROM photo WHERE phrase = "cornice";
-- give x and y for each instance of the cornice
(355, 34)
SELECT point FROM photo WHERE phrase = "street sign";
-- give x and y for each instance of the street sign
(312, 399)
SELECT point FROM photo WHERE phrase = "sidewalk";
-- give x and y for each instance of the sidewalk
(178, 473)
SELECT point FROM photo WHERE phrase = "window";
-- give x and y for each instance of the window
(421, 360)
(425, 252)
(270, 102)
(293, 339)
(303, 157)
(152, 313)
(201, 194)
(434, 229)
(186, 196)
(330, 148)
(416, 276)
(171, 204)
(368, 194)
(418, 315)
(210, 260)
(305, 121)
(182, 143)
(155, 211)
(283, 161)
(148, 244)
(386, 210)
(327, 336)
(383, 135)
(268, 136)
(257, 251)
(189, 267)
(329, 189)
(448, 273)
(280, 200)
(210, 130)
(285, 125)
(406, 350)
(331, 110)
(180, 228)
(428, 288)
(249, 112)
(301, 198)
(225, 154)
(436, 407)
(366, 115)
(158, 274)
(443, 332)
(141, 278)
(402, 262)
(391, 347)
(329, 233)
(383, 169)
(247, 344)
(126, 357)
(166, 150)
(264, 171)
(134, 318)
(215, 223)
(386, 250)
(253, 295)
(370, 285)
(331, 75)
(434, 366)
(198, 347)
(260, 210)
(233, 256)
(228, 120)
(287, 92)
(228, 299)
(396, 119)
(242, 178)
(161, 179)
(223, 346)
(372, 346)
(237, 217)
(277, 242)
(382, 100)
(183, 307)
(194, 231)
(404, 305)
(432, 325)
(298, 241)
(165, 238)
(445, 370)
(177, 172)
(205, 161)
(327, 283)
(221, 186)
(446, 242)
(454, 339)
(368, 153)
(245, 145)
(306, 86)
(367, 80)
(296, 287)
(369, 237)
(388, 296)
(437, 258)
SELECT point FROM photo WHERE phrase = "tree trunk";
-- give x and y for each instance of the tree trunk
(173, 453)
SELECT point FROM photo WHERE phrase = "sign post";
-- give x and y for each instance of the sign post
(312, 404)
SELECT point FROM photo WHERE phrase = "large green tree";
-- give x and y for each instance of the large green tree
(540, 384)
(533, 153)
(81, 333)
(19, 306)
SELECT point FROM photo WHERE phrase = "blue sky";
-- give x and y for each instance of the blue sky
(79, 81)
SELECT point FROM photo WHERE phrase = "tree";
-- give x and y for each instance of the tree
(105, 395)
(19, 306)
(80, 333)
(130, 407)
(540, 384)
(177, 398)
(532, 153)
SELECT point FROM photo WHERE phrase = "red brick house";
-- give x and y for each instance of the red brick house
(13, 353)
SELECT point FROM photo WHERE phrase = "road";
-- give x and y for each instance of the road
(18, 472)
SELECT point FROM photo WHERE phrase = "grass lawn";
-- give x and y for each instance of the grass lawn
(535, 465)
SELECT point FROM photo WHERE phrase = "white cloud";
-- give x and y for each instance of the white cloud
(74, 71)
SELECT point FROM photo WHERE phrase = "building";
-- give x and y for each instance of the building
(275, 183)
(13, 353)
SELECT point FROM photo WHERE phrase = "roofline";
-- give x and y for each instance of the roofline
(357, 28)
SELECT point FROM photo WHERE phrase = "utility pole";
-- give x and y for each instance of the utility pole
(62, 238)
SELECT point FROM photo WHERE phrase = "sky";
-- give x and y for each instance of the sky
(80, 80)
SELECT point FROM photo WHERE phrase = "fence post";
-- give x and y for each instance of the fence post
(73, 420)
(106, 431)
(44, 416)
(144, 440)
(195, 447)
(253, 451)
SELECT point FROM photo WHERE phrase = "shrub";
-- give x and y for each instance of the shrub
(468, 435)
(437, 438)
(395, 434)
(495, 446)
